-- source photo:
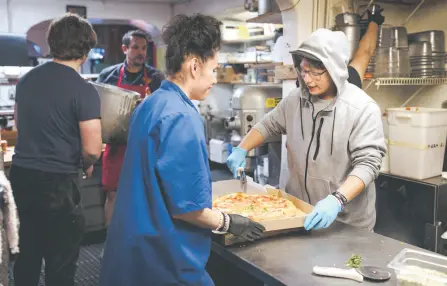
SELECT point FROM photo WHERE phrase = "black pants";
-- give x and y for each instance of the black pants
(51, 226)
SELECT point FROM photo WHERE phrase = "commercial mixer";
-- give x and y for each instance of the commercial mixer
(249, 105)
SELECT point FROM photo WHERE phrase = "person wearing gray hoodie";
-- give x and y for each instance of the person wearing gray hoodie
(335, 142)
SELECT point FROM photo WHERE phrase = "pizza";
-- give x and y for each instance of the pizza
(257, 207)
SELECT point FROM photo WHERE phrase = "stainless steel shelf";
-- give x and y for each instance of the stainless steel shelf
(405, 81)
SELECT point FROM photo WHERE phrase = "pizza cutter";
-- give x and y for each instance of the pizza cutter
(368, 272)
(243, 179)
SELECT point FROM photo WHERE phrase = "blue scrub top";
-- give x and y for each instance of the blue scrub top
(165, 173)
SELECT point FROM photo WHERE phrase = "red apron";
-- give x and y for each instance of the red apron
(112, 159)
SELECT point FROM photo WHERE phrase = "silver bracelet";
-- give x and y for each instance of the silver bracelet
(224, 224)
(221, 222)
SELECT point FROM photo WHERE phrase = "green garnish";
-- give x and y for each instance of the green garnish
(355, 261)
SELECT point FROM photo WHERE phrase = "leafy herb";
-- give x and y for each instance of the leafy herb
(266, 209)
(355, 261)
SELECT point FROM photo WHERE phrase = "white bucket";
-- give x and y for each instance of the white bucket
(417, 139)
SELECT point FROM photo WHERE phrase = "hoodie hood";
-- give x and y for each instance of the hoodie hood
(329, 47)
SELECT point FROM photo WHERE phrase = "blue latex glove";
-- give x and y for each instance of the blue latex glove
(236, 160)
(323, 214)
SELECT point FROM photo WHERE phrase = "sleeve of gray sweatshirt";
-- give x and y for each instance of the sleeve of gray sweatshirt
(367, 144)
(274, 122)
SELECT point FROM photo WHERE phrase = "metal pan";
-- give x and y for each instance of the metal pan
(420, 49)
(435, 37)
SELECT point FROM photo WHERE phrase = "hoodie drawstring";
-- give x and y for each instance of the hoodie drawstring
(333, 127)
(301, 115)
(317, 149)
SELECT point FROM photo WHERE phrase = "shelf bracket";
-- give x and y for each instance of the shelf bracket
(413, 96)
(412, 13)
(369, 85)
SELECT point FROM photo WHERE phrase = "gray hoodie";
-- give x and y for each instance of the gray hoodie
(344, 139)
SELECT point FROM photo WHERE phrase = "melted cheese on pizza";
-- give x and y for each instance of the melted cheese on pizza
(256, 207)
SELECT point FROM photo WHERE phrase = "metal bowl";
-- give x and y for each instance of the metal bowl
(117, 106)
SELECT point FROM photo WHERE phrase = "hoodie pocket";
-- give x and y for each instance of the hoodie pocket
(317, 188)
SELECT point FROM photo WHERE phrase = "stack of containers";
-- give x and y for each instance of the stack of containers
(417, 141)
(421, 60)
(437, 41)
(392, 54)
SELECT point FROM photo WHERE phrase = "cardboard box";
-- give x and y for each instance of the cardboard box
(273, 227)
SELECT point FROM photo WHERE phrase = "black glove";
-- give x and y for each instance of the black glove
(245, 227)
(376, 17)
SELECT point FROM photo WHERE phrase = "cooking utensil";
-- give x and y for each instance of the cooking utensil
(117, 106)
(369, 272)
(243, 179)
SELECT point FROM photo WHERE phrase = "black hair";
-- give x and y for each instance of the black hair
(316, 64)
(197, 35)
(70, 37)
(134, 33)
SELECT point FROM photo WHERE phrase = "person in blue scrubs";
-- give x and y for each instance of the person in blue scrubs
(160, 231)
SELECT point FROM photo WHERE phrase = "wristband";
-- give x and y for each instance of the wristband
(221, 222)
(339, 196)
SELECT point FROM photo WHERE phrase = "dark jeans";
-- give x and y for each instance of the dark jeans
(51, 226)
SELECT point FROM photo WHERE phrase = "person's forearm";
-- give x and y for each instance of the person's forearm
(369, 40)
(88, 160)
(352, 187)
(253, 139)
(206, 218)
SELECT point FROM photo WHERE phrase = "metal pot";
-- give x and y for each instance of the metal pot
(117, 106)
(352, 32)
(267, 6)
(347, 19)
(436, 39)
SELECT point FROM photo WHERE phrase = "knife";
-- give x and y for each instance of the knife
(243, 179)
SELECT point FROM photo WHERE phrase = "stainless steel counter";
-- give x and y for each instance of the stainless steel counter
(289, 259)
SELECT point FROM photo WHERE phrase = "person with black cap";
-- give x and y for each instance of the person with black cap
(335, 142)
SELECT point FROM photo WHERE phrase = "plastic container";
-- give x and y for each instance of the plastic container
(417, 268)
(417, 139)
(385, 160)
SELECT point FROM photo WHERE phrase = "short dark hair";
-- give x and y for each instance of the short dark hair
(197, 35)
(315, 64)
(70, 37)
(134, 33)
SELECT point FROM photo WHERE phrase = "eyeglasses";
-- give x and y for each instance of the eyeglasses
(312, 74)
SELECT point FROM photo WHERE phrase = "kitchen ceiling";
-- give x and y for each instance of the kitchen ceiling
(146, 1)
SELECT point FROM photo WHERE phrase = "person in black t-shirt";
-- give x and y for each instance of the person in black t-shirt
(365, 51)
(57, 116)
